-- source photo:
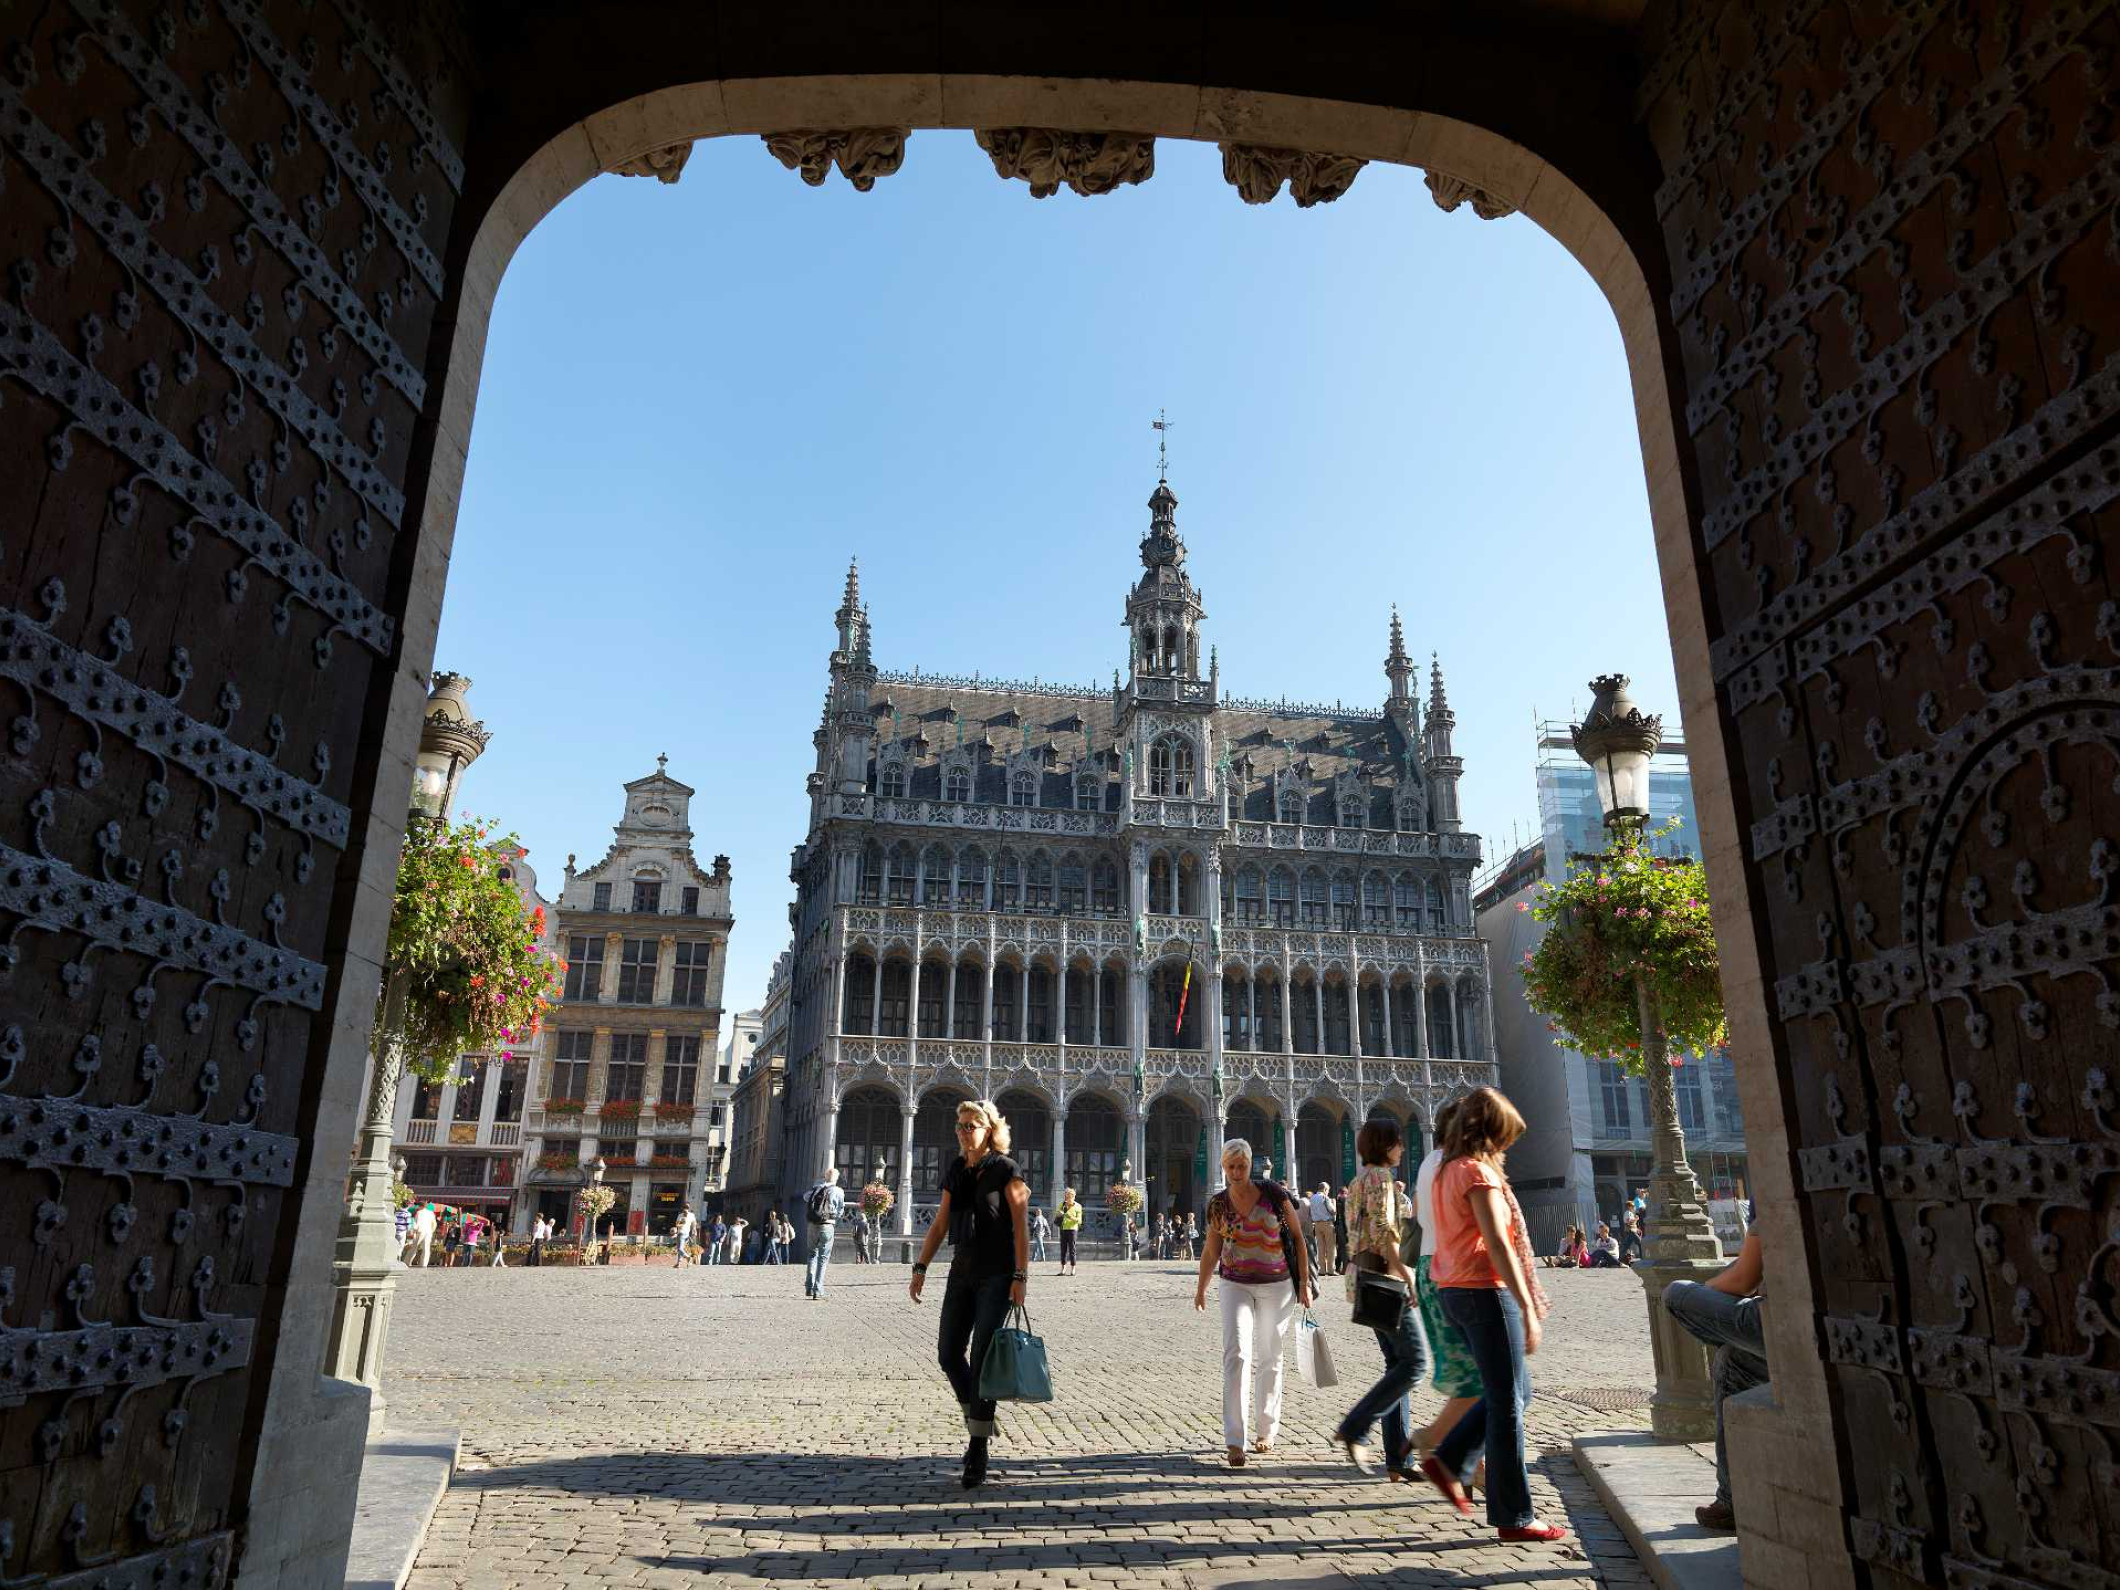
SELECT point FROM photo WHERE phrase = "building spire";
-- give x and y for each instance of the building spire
(864, 659)
(1399, 669)
(1438, 703)
(850, 608)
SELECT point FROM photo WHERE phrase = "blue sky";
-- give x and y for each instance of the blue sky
(700, 400)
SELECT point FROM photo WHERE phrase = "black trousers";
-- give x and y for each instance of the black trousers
(1067, 1247)
(973, 1308)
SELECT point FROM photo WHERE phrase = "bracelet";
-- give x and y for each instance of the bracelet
(920, 1269)
(1021, 1275)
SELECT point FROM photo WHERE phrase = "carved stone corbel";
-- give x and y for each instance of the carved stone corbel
(664, 165)
(1450, 192)
(1257, 174)
(1089, 163)
(862, 153)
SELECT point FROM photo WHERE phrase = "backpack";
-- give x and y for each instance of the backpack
(819, 1208)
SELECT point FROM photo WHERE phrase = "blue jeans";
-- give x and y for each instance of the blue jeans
(1734, 1328)
(1037, 1248)
(1493, 1327)
(1405, 1361)
(820, 1256)
(772, 1252)
(715, 1245)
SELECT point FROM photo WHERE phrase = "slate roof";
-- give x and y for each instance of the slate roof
(997, 720)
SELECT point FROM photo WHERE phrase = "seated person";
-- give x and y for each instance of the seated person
(1572, 1255)
(1604, 1253)
(1726, 1313)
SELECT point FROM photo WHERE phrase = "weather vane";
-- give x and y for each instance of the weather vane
(1162, 427)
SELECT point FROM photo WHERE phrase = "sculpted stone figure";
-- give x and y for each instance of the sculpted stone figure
(1450, 192)
(1089, 163)
(1257, 174)
(862, 153)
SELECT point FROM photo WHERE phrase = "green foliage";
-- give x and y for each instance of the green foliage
(1625, 913)
(459, 935)
(400, 1195)
(1124, 1199)
(593, 1202)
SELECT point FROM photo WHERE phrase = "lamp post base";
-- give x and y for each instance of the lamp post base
(1681, 1246)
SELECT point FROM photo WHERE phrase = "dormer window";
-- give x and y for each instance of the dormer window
(1351, 811)
(647, 895)
(958, 786)
(892, 781)
(1023, 790)
(1170, 766)
(1087, 792)
(1291, 806)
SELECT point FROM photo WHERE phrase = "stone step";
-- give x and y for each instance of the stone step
(403, 1476)
(1651, 1487)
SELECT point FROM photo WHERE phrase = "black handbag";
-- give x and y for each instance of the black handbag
(1380, 1300)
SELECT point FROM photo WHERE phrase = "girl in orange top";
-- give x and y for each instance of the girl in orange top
(1485, 1277)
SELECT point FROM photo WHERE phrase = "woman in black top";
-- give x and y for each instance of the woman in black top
(985, 1210)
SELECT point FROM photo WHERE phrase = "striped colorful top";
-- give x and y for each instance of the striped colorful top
(1251, 1244)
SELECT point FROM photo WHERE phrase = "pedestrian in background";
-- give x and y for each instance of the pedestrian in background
(1339, 1228)
(826, 1203)
(737, 1228)
(423, 1224)
(717, 1239)
(985, 1207)
(1260, 1294)
(1489, 1286)
(401, 1226)
(1376, 1229)
(1324, 1233)
(1039, 1227)
(1192, 1236)
(1070, 1224)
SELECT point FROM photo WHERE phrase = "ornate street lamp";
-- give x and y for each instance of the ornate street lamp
(366, 1252)
(1618, 740)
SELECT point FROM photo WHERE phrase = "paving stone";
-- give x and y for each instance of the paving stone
(638, 1427)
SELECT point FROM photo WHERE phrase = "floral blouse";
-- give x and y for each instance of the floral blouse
(1377, 1209)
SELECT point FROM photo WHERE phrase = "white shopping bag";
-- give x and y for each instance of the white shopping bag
(1314, 1355)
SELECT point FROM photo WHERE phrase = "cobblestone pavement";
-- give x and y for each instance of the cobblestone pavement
(709, 1427)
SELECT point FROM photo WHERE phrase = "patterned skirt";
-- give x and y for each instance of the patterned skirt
(1456, 1375)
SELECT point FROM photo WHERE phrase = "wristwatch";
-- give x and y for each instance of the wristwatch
(1021, 1275)
(920, 1269)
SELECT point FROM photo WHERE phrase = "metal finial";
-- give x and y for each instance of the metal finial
(1161, 425)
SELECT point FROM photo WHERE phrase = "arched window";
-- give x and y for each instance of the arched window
(1435, 906)
(1406, 903)
(867, 1142)
(1343, 901)
(1351, 811)
(1023, 790)
(958, 786)
(1376, 902)
(1281, 897)
(935, 876)
(1251, 896)
(1161, 892)
(1008, 882)
(1170, 766)
(971, 879)
(1073, 880)
(1104, 887)
(1087, 792)
(1314, 898)
(892, 781)
(872, 875)
(934, 1140)
(1038, 889)
(1095, 1137)
(1291, 806)
(900, 880)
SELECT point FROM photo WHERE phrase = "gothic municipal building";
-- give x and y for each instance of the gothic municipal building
(1003, 887)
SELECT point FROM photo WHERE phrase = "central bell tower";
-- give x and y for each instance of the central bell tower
(1165, 711)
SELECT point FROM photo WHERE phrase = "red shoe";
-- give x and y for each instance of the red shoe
(1534, 1532)
(1446, 1482)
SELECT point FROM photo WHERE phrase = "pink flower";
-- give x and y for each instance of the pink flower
(1522, 906)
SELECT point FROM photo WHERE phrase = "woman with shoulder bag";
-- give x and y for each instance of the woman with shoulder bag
(1375, 1233)
(1486, 1279)
(985, 1209)
(1255, 1245)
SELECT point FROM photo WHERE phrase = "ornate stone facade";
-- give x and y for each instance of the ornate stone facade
(632, 1075)
(1140, 917)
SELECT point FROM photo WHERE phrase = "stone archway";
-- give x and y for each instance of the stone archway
(1868, 339)
(1174, 1139)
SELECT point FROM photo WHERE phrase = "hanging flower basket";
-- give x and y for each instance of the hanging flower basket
(877, 1200)
(594, 1202)
(1124, 1199)
(1621, 916)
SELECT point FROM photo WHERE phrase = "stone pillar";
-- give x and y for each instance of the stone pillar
(1059, 1157)
(876, 999)
(1096, 1004)
(829, 1145)
(665, 968)
(1317, 994)
(1391, 1040)
(912, 1004)
(1023, 1004)
(949, 1009)
(614, 949)
(839, 995)
(1288, 1029)
(905, 1171)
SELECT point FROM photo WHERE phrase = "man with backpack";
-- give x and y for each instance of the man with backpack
(822, 1208)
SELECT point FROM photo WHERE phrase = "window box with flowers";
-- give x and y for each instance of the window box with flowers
(668, 1162)
(560, 1162)
(619, 1110)
(667, 1110)
(564, 1106)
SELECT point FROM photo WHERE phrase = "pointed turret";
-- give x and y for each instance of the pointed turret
(857, 724)
(1438, 761)
(1398, 668)
(864, 658)
(849, 607)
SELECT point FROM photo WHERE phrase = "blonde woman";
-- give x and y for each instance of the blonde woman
(1246, 1223)
(1070, 1223)
(1486, 1279)
(985, 1209)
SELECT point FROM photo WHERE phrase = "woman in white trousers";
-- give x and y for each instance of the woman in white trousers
(1247, 1222)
